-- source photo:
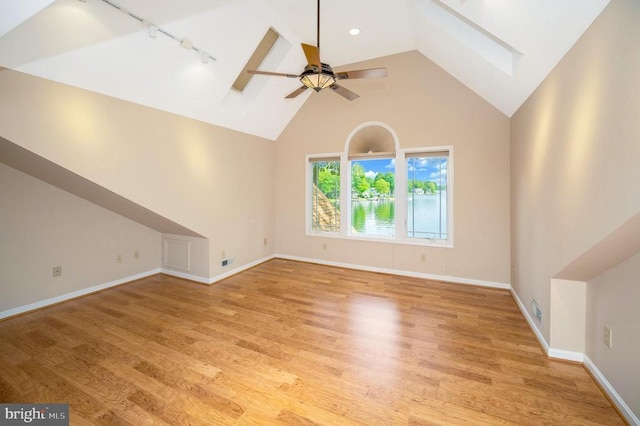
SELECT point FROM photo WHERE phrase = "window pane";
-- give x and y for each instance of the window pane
(427, 197)
(325, 196)
(373, 197)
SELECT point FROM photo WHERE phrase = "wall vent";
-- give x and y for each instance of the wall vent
(535, 310)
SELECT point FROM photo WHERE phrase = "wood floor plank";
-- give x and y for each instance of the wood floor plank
(294, 343)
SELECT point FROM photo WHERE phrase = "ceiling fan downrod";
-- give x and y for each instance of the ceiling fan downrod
(318, 28)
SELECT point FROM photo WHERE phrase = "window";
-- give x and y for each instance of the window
(427, 207)
(404, 196)
(325, 195)
(373, 197)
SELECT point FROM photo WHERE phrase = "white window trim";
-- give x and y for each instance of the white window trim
(309, 193)
(401, 194)
(401, 185)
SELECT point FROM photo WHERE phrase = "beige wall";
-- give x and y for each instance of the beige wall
(425, 106)
(574, 153)
(43, 226)
(214, 181)
(567, 315)
(612, 301)
(575, 177)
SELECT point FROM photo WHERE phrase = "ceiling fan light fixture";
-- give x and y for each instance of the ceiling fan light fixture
(317, 81)
(319, 75)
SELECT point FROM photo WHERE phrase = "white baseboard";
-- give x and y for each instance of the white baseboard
(216, 278)
(611, 392)
(584, 359)
(565, 355)
(456, 280)
(549, 351)
(240, 269)
(185, 276)
(68, 296)
(89, 290)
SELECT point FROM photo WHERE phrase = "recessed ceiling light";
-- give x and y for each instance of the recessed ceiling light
(354, 31)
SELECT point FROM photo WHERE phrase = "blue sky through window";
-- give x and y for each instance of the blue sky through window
(429, 168)
(373, 167)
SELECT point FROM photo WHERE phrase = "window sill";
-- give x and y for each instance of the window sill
(382, 239)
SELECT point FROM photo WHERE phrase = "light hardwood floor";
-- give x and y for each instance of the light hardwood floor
(294, 343)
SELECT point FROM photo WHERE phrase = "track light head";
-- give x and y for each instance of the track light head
(186, 43)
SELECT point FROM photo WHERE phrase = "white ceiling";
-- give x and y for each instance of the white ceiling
(501, 49)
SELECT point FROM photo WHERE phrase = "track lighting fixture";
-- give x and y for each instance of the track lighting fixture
(154, 29)
(186, 43)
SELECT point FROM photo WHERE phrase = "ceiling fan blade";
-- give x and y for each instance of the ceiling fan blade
(279, 74)
(369, 73)
(345, 93)
(296, 92)
(313, 55)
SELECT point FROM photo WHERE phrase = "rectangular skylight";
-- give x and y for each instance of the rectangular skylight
(261, 52)
(485, 44)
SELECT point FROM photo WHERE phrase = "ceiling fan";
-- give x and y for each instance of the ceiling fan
(319, 76)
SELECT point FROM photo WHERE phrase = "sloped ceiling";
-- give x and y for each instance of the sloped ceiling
(32, 164)
(501, 49)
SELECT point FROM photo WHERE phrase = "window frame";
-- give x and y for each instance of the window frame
(361, 236)
(415, 152)
(310, 159)
(401, 214)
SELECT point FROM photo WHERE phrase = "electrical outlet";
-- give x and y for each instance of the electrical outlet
(265, 241)
(608, 337)
(136, 254)
(324, 246)
(119, 258)
(57, 271)
(423, 257)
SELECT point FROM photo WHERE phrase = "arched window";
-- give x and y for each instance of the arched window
(371, 149)
(375, 190)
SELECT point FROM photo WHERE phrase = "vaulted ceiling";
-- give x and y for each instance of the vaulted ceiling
(500, 49)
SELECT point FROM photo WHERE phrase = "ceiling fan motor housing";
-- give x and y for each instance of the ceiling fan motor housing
(313, 69)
